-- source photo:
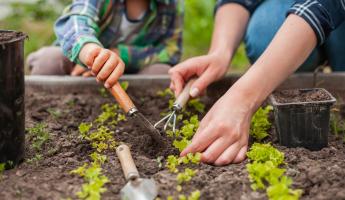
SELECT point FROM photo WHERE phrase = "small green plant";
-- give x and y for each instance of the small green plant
(186, 176)
(35, 159)
(92, 173)
(124, 85)
(39, 135)
(174, 161)
(265, 152)
(195, 195)
(264, 172)
(109, 113)
(55, 113)
(181, 144)
(260, 123)
(103, 92)
(84, 129)
(2, 168)
(165, 93)
(197, 105)
(337, 123)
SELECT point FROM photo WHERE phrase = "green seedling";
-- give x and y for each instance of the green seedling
(281, 190)
(35, 159)
(260, 123)
(39, 135)
(84, 129)
(165, 93)
(55, 113)
(124, 85)
(174, 161)
(193, 196)
(109, 113)
(197, 105)
(181, 144)
(265, 152)
(2, 169)
(103, 92)
(186, 176)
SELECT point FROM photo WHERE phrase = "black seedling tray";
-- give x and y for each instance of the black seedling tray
(303, 124)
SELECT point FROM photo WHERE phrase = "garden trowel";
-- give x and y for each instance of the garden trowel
(130, 109)
(137, 188)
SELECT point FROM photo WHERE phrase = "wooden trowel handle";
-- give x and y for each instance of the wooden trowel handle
(183, 98)
(128, 166)
(122, 97)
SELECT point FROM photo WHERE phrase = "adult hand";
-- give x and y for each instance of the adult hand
(223, 134)
(80, 71)
(208, 68)
(105, 64)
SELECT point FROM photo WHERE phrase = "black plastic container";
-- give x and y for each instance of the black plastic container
(303, 124)
(12, 116)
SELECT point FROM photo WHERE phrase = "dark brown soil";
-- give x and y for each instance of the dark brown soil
(9, 36)
(321, 174)
(293, 96)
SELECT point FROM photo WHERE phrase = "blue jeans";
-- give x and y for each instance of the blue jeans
(267, 19)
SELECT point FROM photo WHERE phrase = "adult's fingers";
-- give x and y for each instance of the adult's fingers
(228, 155)
(115, 75)
(214, 150)
(78, 70)
(200, 141)
(177, 82)
(100, 61)
(205, 79)
(241, 155)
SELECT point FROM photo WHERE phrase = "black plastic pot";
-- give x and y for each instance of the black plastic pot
(12, 116)
(303, 124)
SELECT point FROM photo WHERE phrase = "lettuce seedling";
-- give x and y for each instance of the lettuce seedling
(260, 123)
(124, 85)
(186, 176)
(109, 113)
(265, 152)
(261, 174)
(197, 105)
(181, 144)
(39, 135)
(84, 129)
(165, 93)
(281, 190)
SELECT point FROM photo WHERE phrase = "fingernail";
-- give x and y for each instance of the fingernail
(107, 85)
(194, 92)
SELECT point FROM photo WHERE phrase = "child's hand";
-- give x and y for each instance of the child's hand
(105, 64)
(80, 71)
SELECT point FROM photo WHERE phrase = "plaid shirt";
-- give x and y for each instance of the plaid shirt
(159, 39)
(323, 16)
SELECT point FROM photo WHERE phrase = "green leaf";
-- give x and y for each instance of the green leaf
(181, 144)
(186, 176)
(265, 152)
(260, 123)
(197, 105)
(124, 85)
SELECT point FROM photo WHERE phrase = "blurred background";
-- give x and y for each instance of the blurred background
(36, 18)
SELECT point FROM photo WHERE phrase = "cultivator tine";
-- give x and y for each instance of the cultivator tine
(168, 121)
(162, 120)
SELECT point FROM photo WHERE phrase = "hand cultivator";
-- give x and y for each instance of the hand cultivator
(181, 101)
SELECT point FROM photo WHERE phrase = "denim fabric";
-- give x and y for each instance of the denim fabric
(267, 19)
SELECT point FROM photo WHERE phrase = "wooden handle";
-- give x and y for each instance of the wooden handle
(122, 97)
(128, 166)
(183, 98)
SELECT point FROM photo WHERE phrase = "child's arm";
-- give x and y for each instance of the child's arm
(77, 32)
(168, 51)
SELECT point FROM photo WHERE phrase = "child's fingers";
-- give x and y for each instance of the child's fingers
(87, 74)
(77, 70)
(108, 68)
(115, 75)
(100, 60)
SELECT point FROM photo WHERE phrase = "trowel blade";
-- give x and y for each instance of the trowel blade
(140, 189)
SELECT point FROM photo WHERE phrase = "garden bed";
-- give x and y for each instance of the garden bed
(45, 172)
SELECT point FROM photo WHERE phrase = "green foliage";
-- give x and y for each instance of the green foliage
(260, 123)
(189, 127)
(197, 105)
(84, 129)
(165, 93)
(193, 196)
(124, 85)
(39, 135)
(55, 113)
(102, 139)
(186, 176)
(35, 159)
(174, 161)
(265, 152)
(264, 173)
(2, 168)
(282, 190)
(181, 144)
(103, 92)
(337, 122)
(108, 113)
